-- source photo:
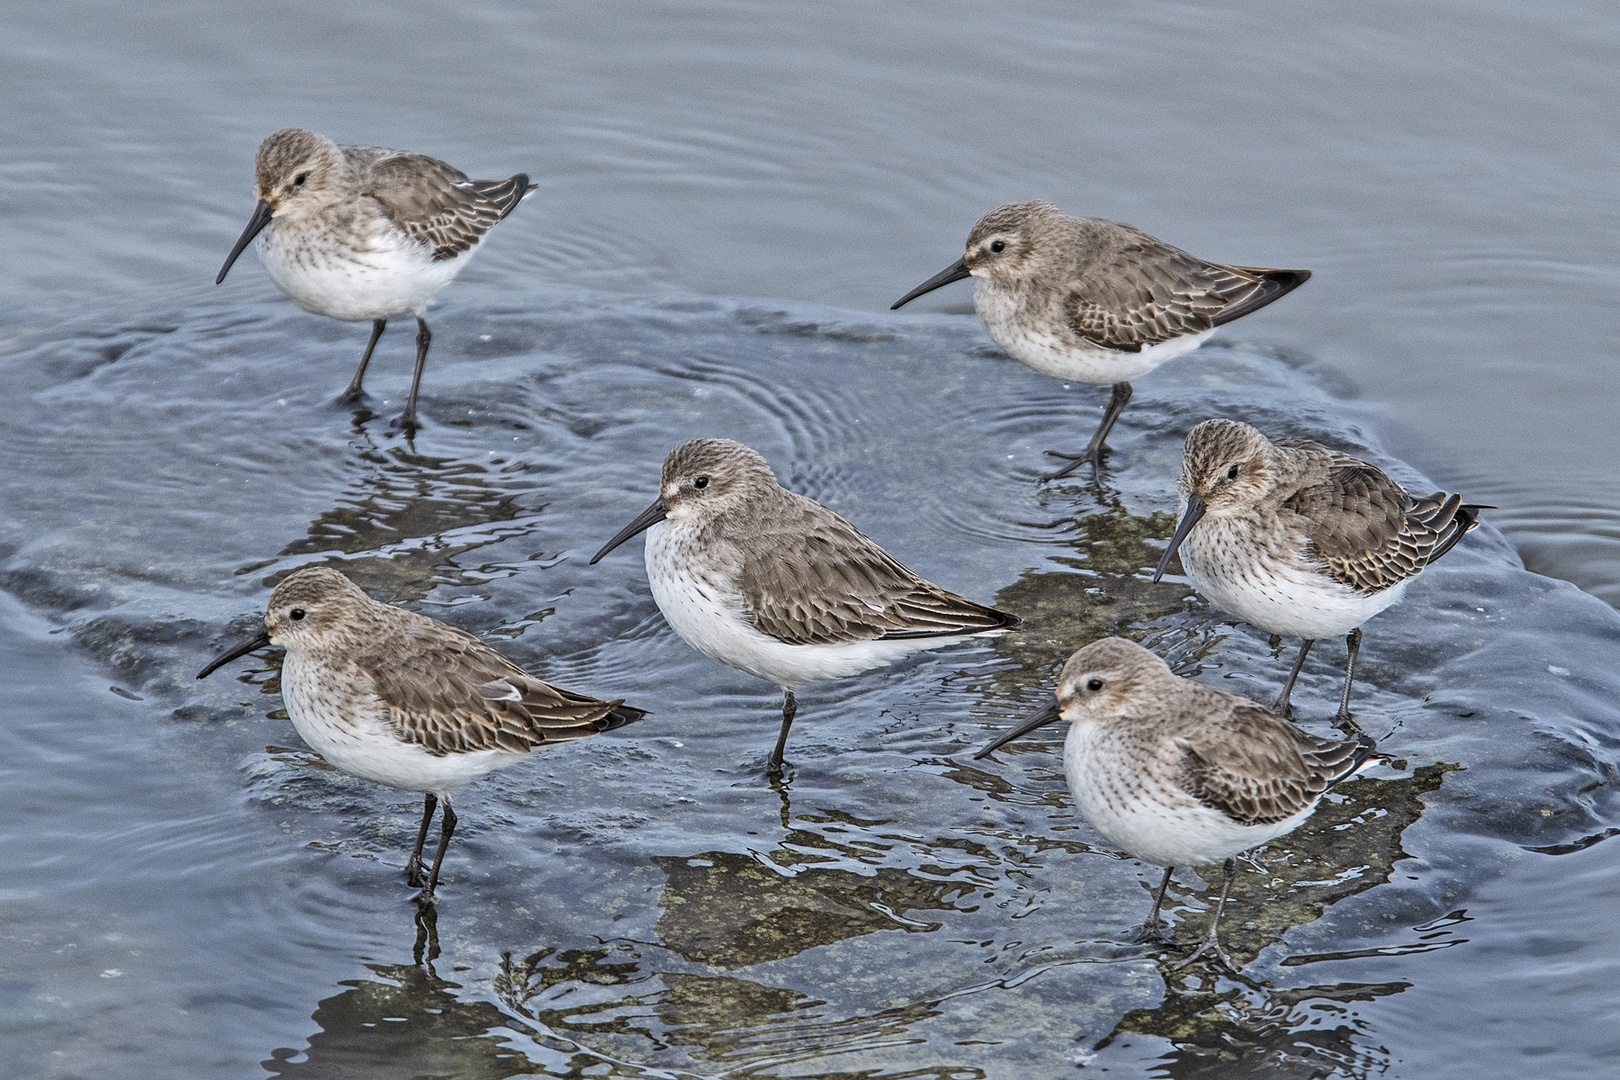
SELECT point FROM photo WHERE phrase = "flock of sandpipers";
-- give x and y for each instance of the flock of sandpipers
(1292, 537)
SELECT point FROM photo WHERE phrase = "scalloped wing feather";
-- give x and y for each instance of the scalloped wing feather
(457, 695)
(1146, 292)
(1270, 770)
(822, 582)
(433, 203)
(1370, 532)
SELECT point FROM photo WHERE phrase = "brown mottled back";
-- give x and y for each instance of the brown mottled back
(431, 201)
(1368, 530)
(450, 693)
(1258, 769)
(810, 577)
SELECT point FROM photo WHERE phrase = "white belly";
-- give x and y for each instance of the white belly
(1278, 592)
(1167, 827)
(364, 744)
(383, 276)
(1066, 356)
(709, 615)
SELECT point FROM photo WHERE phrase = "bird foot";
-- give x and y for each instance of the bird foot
(425, 897)
(354, 395)
(778, 771)
(413, 874)
(1207, 945)
(1074, 462)
(1151, 933)
(406, 423)
(1344, 723)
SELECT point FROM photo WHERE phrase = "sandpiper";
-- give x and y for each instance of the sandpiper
(1096, 301)
(360, 232)
(1300, 540)
(1182, 774)
(777, 585)
(408, 701)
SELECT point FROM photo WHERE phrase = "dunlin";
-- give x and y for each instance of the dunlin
(779, 586)
(359, 232)
(1095, 301)
(1300, 540)
(408, 701)
(1182, 774)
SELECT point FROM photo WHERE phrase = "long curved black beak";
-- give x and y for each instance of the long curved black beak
(646, 519)
(1048, 714)
(954, 272)
(243, 649)
(261, 217)
(1195, 511)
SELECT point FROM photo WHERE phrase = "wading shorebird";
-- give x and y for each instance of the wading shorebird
(396, 697)
(360, 232)
(1182, 774)
(1096, 301)
(1300, 540)
(777, 585)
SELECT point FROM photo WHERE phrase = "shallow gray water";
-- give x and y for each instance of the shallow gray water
(1446, 170)
(197, 893)
(191, 895)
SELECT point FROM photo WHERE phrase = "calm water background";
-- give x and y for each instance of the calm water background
(182, 901)
(1446, 169)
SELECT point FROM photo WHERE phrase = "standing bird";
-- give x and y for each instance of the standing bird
(360, 232)
(1300, 540)
(1182, 774)
(777, 585)
(408, 701)
(1096, 301)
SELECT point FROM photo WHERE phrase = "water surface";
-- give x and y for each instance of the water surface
(191, 893)
(197, 894)
(1447, 171)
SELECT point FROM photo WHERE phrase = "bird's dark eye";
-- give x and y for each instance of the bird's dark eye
(701, 482)
(295, 614)
(998, 246)
(1231, 474)
(1094, 685)
(298, 181)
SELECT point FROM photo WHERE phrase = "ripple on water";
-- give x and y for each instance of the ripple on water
(644, 904)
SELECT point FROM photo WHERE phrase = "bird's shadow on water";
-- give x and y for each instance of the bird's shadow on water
(731, 923)
(408, 518)
(620, 1007)
(1247, 1029)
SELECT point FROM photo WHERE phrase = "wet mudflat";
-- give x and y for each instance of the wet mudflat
(193, 893)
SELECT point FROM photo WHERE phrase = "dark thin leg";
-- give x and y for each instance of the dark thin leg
(1094, 450)
(354, 393)
(413, 869)
(1352, 641)
(424, 338)
(1211, 941)
(1281, 705)
(1152, 931)
(790, 709)
(447, 827)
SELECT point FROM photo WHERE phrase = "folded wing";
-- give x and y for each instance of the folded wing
(433, 202)
(819, 581)
(1368, 531)
(1140, 291)
(457, 695)
(1268, 773)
